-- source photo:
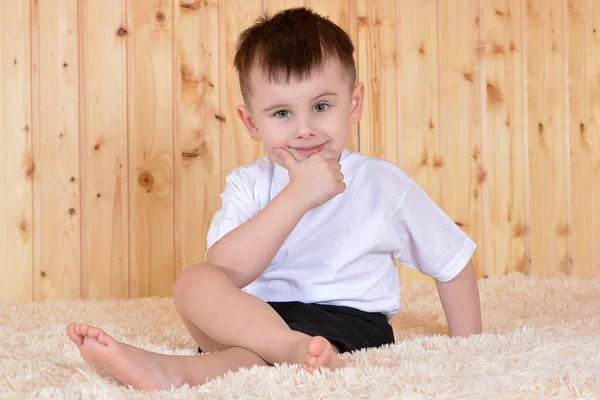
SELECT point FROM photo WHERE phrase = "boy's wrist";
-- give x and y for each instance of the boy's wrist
(295, 200)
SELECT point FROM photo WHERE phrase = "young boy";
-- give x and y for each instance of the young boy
(301, 254)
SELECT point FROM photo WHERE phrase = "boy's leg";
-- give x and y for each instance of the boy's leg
(205, 296)
(147, 370)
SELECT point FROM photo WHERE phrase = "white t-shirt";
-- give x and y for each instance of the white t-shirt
(342, 252)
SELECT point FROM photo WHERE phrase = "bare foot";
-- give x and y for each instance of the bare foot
(129, 365)
(321, 354)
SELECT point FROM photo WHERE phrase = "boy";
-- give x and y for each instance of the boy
(301, 254)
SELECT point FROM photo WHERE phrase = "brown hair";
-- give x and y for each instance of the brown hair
(292, 42)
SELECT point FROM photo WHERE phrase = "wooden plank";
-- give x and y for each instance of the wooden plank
(197, 135)
(584, 100)
(60, 223)
(377, 69)
(342, 13)
(546, 121)
(150, 100)
(418, 112)
(237, 148)
(462, 168)
(504, 135)
(16, 161)
(274, 6)
(104, 191)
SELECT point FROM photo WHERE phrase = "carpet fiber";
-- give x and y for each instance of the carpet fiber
(541, 340)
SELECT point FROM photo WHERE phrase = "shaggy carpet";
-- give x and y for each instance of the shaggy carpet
(541, 340)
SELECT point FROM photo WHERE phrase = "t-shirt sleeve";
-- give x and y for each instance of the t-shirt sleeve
(426, 238)
(237, 207)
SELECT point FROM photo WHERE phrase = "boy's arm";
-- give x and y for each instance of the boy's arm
(245, 252)
(460, 301)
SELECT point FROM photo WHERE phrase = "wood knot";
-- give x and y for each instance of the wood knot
(160, 16)
(96, 147)
(424, 158)
(497, 48)
(468, 76)
(481, 175)
(72, 179)
(65, 65)
(30, 170)
(193, 6)
(146, 180)
(220, 118)
(121, 31)
(71, 211)
(42, 274)
(494, 94)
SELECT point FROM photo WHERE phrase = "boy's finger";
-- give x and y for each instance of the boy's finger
(284, 157)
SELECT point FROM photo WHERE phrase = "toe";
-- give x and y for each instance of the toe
(317, 346)
(94, 332)
(311, 361)
(105, 339)
(77, 339)
(84, 329)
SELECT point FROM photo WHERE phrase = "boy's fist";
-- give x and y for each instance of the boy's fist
(315, 180)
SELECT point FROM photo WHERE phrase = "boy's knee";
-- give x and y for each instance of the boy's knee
(198, 278)
(191, 278)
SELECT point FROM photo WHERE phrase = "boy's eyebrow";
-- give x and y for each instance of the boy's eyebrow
(326, 93)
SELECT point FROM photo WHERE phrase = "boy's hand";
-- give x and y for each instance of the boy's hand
(315, 180)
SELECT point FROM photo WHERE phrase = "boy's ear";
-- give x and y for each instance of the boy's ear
(356, 107)
(249, 123)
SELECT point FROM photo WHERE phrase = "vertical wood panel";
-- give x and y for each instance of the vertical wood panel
(197, 150)
(418, 152)
(377, 69)
(237, 148)
(463, 173)
(274, 6)
(150, 95)
(584, 99)
(505, 137)
(16, 160)
(546, 115)
(60, 252)
(342, 13)
(104, 185)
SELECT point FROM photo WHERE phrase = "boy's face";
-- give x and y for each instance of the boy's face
(298, 116)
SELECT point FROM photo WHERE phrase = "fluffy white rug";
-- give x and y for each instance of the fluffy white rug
(541, 340)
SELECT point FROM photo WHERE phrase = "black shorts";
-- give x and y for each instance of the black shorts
(347, 328)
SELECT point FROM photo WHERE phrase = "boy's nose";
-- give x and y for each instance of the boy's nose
(305, 134)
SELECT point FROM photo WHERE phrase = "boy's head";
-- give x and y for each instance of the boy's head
(297, 77)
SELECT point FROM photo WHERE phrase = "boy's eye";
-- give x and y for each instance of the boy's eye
(279, 114)
(321, 107)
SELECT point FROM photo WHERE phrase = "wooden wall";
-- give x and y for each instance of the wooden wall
(118, 128)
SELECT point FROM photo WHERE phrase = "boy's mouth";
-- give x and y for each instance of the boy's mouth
(308, 151)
